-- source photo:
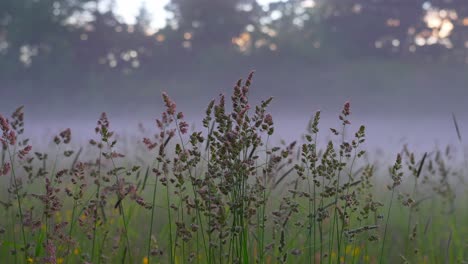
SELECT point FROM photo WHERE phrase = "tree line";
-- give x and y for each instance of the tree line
(69, 39)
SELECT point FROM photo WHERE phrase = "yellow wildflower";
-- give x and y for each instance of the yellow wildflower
(349, 248)
(68, 215)
(58, 218)
(353, 251)
(356, 251)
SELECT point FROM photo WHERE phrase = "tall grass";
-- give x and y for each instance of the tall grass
(227, 194)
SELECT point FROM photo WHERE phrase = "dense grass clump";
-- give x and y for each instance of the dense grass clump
(227, 194)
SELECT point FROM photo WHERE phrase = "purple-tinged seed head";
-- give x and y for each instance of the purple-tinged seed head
(347, 108)
(268, 119)
(183, 126)
(6, 169)
(24, 151)
(11, 137)
(4, 124)
(180, 115)
(170, 105)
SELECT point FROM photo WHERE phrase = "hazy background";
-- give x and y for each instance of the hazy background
(401, 63)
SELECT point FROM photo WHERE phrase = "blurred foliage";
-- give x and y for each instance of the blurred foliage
(72, 41)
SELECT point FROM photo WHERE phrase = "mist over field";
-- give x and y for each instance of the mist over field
(401, 65)
(399, 103)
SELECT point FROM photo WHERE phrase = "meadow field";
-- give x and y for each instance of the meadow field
(227, 193)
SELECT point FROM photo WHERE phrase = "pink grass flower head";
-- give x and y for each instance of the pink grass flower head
(245, 88)
(347, 108)
(166, 119)
(6, 169)
(115, 154)
(345, 112)
(66, 135)
(4, 124)
(102, 129)
(249, 78)
(183, 126)
(8, 135)
(24, 151)
(51, 253)
(11, 137)
(268, 119)
(240, 116)
(171, 133)
(18, 114)
(159, 124)
(149, 144)
(222, 101)
(170, 105)
(103, 121)
(180, 115)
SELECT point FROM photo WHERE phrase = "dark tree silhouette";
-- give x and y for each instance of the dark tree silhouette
(74, 40)
(211, 23)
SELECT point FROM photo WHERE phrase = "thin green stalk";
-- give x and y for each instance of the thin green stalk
(54, 167)
(312, 226)
(121, 208)
(245, 255)
(18, 199)
(410, 217)
(332, 227)
(207, 252)
(321, 224)
(104, 240)
(170, 222)
(386, 225)
(153, 209)
(14, 235)
(347, 193)
(125, 225)
(353, 249)
(261, 222)
(70, 231)
(97, 201)
(181, 201)
(309, 216)
(220, 253)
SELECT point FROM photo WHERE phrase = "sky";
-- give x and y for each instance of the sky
(128, 9)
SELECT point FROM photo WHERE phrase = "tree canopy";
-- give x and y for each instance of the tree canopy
(45, 37)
